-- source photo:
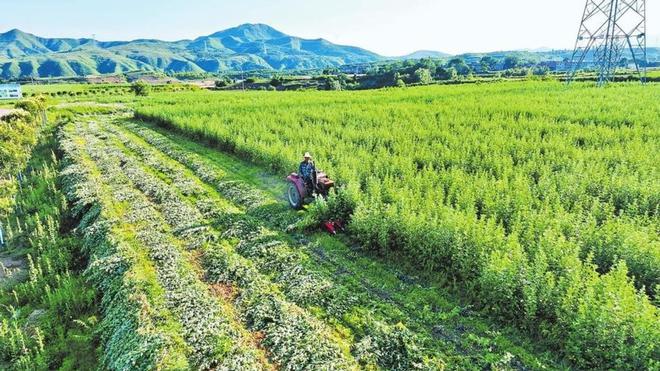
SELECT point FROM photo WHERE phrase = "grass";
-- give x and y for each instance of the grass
(51, 309)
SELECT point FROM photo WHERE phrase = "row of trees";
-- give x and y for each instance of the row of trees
(406, 72)
(425, 71)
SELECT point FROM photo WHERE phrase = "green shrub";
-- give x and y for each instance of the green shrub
(141, 88)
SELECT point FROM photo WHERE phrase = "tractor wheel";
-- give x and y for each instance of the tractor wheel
(295, 199)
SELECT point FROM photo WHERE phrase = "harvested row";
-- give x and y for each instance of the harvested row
(293, 338)
(356, 306)
(138, 330)
(270, 253)
(197, 331)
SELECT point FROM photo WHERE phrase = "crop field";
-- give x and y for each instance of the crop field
(206, 249)
(503, 226)
(519, 194)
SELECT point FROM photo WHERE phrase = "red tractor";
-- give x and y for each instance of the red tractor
(299, 193)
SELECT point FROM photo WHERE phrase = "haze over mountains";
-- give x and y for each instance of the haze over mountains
(247, 47)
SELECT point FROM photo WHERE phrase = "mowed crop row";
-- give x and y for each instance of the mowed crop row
(274, 306)
(540, 202)
(157, 314)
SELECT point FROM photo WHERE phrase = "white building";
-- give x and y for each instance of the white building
(10, 91)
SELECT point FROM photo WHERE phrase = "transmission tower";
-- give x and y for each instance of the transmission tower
(609, 30)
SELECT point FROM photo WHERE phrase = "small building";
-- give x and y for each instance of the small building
(10, 91)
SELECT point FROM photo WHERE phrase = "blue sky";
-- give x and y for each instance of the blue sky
(384, 26)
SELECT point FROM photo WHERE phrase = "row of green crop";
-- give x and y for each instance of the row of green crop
(512, 189)
(215, 340)
(18, 134)
(137, 330)
(208, 335)
(49, 315)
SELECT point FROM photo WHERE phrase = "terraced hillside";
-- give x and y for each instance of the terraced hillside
(200, 267)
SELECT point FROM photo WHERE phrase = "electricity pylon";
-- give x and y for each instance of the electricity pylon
(610, 28)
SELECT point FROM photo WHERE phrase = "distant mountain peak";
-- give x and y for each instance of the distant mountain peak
(13, 34)
(251, 32)
(254, 26)
(425, 54)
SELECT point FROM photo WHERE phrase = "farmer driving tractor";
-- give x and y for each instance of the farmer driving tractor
(310, 183)
(307, 184)
(307, 171)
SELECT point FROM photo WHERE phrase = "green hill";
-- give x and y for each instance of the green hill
(246, 47)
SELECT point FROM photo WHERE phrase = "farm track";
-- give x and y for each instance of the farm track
(303, 302)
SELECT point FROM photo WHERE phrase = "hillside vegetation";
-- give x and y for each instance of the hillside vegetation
(539, 203)
(246, 47)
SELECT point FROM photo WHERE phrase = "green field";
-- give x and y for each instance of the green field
(502, 226)
(515, 191)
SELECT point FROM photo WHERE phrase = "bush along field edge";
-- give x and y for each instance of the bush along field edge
(49, 313)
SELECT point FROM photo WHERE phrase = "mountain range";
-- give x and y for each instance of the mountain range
(246, 47)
